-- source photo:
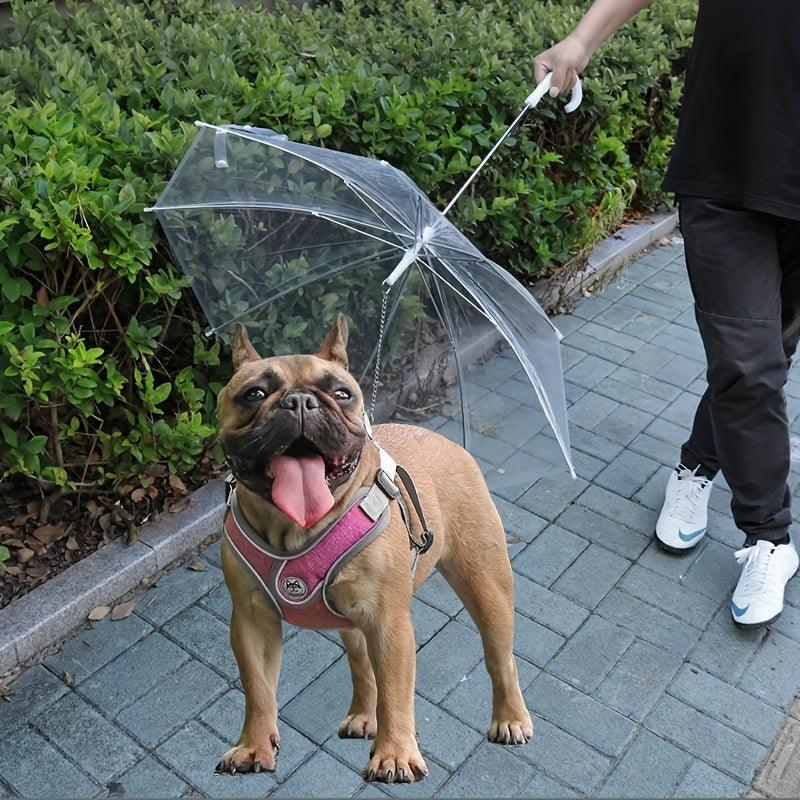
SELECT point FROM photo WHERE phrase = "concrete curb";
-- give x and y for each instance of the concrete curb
(47, 614)
(50, 612)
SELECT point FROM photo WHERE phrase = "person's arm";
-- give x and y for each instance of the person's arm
(567, 59)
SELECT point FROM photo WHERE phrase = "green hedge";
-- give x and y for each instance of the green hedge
(103, 366)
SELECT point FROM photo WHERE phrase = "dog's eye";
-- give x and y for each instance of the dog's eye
(254, 395)
(342, 394)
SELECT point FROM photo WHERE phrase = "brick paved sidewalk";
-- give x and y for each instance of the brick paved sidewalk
(638, 680)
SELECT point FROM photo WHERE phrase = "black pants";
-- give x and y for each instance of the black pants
(744, 268)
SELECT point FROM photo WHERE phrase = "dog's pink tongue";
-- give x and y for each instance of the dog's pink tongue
(299, 488)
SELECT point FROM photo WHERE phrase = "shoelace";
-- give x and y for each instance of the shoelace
(690, 488)
(756, 560)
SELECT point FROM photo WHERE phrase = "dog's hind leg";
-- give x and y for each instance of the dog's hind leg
(478, 569)
(360, 722)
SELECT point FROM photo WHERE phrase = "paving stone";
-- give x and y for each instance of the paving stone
(650, 768)
(206, 637)
(442, 735)
(175, 591)
(149, 779)
(579, 714)
(648, 622)
(495, 371)
(132, 674)
(172, 703)
(212, 553)
(547, 608)
(649, 359)
(566, 323)
(667, 454)
(652, 493)
(590, 307)
(193, 753)
(471, 699)
(671, 565)
(608, 335)
(627, 473)
(721, 746)
(573, 392)
(674, 598)
(667, 299)
(549, 555)
(305, 656)
(651, 385)
(436, 592)
(650, 306)
(32, 767)
(780, 774)
(625, 512)
(519, 390)
(714, 572)
(545, 447)
(225, 715)
(591, 576)
(616, 316)
(446, 659)
(519, 522)
(95, 646)
(218, 601)
(550, 495)
(591, 410)
(668, 432)
(586, 467)
(590, 371)
(788, 623)
(629, 395)
(702, 780)
(317, 711)
(563, 756)
(624, 424)
(490, 771)
(609, 533)
(516, 475)
(570, 356)
(541, 785)
(727, 704)
(638, 679)
(321, 776)
(99, 748)
(427, 621)
(593, 444)
(773, 675)
(591, 653)
(534, 642)
(33, 690)
(725, 649)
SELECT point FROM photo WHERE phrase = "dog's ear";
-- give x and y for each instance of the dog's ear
(334, 348)
(243, 350)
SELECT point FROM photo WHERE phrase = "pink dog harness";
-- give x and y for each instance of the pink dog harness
(297, 583)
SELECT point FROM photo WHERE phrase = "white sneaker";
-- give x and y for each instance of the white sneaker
(684, 517)
(758, 597)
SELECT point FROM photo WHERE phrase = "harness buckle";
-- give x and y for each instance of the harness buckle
(427, 541)
(387, 485)
(230, 485)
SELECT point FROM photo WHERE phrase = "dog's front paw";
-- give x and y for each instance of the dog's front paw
(250, 758)
(510, 731)
(358, 726)
(396, 764)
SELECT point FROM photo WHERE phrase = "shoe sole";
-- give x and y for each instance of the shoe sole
(756, 624)
(676, 551)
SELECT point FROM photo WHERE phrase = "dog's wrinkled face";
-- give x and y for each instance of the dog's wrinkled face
(292, 426)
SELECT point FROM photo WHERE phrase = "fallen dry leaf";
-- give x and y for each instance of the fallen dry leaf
(180, 505)
(197, 566)
(42, 297)
(176, 483)
(47, 534)
(72, 543)
(146, 582)
(33, 508)
(137, 495)
(69, 680)
(13, 543)
(94, 509)
(24, 555)
(37, 572)
(157, 470)
(121, 611)
(6, 530)
(99, 612)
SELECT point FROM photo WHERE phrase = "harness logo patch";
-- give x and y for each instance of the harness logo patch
(295, 587)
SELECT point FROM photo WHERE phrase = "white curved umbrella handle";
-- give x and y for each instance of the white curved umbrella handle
(541, 90)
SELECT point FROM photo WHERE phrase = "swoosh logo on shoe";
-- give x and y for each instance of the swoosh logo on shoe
(688, 537)
(739, 612)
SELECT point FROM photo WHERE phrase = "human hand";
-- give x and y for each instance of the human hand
(566, 60)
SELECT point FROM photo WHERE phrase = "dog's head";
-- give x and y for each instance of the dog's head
(292, 427)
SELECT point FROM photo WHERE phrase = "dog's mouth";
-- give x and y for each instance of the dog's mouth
(302, 478)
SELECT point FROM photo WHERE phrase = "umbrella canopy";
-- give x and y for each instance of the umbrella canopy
(280, 235)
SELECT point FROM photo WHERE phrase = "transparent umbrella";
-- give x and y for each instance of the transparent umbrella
(280, 236)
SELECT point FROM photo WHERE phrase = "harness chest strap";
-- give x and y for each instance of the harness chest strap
(297, 583)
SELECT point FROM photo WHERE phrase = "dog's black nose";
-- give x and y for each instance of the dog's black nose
(299, 402)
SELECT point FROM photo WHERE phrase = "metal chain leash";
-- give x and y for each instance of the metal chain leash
(377, 373)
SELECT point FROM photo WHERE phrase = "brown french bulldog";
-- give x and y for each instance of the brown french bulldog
(293, 429)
